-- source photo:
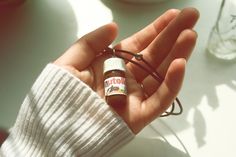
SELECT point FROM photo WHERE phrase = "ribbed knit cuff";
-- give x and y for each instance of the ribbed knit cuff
(62, 116)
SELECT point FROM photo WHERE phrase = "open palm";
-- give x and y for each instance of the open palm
(166, 44)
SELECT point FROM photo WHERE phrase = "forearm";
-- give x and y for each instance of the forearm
(61, 116)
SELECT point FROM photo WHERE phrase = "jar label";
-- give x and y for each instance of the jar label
(114, 86)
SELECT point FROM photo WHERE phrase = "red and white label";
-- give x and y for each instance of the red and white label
(115, 86)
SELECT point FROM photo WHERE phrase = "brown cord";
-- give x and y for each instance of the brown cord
(148, 68)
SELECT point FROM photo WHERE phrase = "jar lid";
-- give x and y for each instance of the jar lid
(114, 64)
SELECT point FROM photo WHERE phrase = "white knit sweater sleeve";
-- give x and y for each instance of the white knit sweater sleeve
(62, 116)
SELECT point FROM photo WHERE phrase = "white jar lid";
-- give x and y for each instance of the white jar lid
(113, 64)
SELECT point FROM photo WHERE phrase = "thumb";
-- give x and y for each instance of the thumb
(82, 52)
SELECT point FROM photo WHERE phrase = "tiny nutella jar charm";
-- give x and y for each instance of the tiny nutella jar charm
(115, 81)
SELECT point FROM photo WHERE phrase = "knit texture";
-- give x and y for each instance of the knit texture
(62, 116)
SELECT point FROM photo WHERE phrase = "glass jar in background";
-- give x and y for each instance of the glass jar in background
(222, 39)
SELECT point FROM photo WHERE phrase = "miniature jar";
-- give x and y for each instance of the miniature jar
(115, 81)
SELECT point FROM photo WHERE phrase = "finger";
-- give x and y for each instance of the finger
(182, 49)
(97, 67)
(156, 52)
(82, 53)
(143, 38)
(157, 103)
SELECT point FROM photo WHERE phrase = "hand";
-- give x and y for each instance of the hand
(166, 44)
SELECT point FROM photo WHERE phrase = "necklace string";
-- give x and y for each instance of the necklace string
(147, 68)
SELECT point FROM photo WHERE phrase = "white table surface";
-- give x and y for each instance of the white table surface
(39, 31)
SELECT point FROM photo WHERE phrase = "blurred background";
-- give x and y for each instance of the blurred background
(37, 32)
